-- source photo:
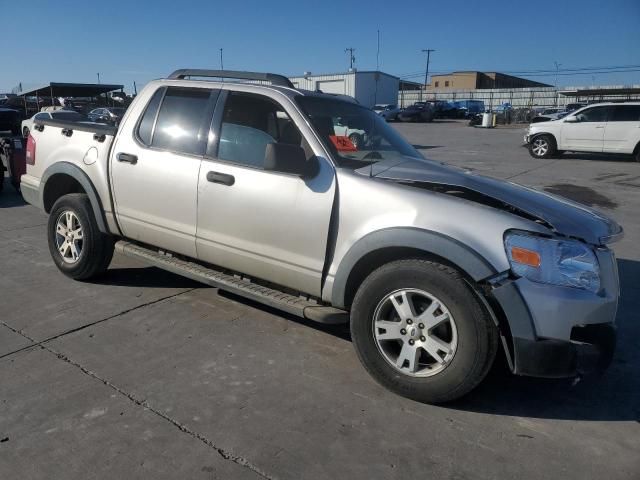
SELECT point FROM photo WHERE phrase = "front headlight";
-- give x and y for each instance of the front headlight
(567, 263)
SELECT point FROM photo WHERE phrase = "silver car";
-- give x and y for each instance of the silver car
(249, 187)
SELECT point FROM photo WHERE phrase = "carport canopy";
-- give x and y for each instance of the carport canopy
(632, 91)
(57, 89)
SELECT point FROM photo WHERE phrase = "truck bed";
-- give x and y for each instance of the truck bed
(61, 145)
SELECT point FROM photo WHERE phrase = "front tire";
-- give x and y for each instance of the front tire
(421, 332)
(25, 132)
(543, 146)
(77, 246)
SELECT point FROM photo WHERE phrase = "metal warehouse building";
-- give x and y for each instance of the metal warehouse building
(367, 87)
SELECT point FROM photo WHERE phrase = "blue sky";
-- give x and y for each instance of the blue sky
(69, 40)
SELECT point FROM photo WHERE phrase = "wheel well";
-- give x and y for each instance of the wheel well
(553, 137)
(58, 185)
(373, 260)
(637, 149)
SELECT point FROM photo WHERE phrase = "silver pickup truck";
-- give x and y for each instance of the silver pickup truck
(249, 186)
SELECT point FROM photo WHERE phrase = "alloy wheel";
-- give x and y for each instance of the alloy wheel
(540, 147)
(415, 332)
(69, 236)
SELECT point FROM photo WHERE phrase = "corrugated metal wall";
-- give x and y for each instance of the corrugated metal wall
(331, 83)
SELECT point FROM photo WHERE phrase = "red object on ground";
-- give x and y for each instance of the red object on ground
(343, 144)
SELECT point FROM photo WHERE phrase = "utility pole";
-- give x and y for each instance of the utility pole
(378, 53)
(426, 73)
(352, 58)
(221, 62)
(98, 78)
(558, 65)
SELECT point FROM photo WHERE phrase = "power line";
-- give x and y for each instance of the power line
(547, 72)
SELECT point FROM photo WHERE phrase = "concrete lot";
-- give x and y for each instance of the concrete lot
(144, 374)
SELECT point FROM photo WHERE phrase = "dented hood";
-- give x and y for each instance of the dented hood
(563, 216)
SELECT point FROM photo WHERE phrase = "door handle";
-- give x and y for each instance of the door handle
(222, 178)
(127, 157)
(599, 126)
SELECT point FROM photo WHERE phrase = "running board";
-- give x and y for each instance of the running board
(240, 286)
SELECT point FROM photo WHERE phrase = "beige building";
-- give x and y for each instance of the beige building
(469, 80)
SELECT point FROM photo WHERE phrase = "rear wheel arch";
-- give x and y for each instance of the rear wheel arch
(63, 178)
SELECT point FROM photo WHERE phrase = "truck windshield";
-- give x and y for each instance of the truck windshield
(355, 135)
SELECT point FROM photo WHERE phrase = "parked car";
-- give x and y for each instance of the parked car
(357, 136)
(445, 109)
(435, 268)
(418, 112)
(550, 114)
(10, 120)
(109, 115)
(469, 108)
(55, 113)
(570, 107)
(603, 127)
(12, 160)
(387, 111)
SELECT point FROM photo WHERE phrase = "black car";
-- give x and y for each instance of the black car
(418, 112)
(10, 120)
(109, 115)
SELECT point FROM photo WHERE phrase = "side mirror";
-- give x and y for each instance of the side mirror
(571, 119)
(286, 158)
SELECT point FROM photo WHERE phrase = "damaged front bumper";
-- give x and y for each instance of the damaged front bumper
(561, 331)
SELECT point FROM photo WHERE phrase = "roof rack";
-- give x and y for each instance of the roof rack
(275, 79)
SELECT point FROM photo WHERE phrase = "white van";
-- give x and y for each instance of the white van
(601, 127)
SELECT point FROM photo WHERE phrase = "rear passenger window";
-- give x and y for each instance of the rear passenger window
(145, 129)
(625, 113)
(180, 120)
(251, 122)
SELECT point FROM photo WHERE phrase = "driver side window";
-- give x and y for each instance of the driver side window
(251, 122)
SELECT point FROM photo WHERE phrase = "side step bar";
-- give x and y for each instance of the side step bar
(298, 306)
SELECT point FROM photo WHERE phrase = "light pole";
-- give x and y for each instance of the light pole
(98, 78)
(221, 62)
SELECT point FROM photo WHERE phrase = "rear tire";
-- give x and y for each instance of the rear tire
(466, 343)
(77, 246)
(543, 146)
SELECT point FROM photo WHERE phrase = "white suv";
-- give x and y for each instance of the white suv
(602, 127)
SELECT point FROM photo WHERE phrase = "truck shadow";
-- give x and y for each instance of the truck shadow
(612, 396)
(151, 277)
(10, 198)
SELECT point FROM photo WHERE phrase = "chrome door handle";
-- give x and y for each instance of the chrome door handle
(599, 126)
(221, 178)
